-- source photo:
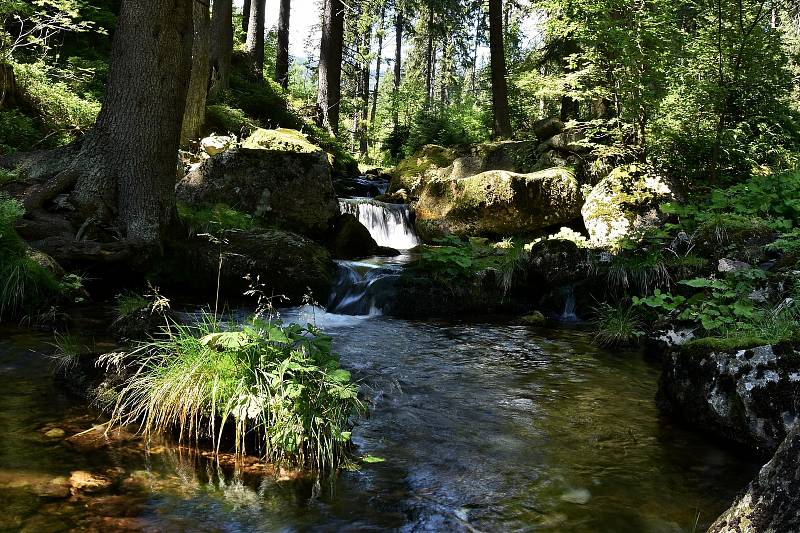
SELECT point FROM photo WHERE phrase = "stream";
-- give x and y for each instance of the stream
(481, 425)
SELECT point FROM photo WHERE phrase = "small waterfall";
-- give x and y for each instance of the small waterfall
(362, 288)
(389, 224)
(568, 314)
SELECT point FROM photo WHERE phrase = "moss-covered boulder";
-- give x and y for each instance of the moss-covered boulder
(276, 175)
(748, 396)
(436, 162)
(276, 262)
(497, 203)
(625, 203)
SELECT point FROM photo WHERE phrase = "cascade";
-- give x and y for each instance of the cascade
(568, 314)
(363, 288)
(389, 224)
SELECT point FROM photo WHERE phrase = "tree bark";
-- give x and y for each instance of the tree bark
(363, 123)
(378, 61)
(221, 46)
(282, 58)
(398, 62)
(329, 91)
(502, 123)
(8, 86)
(125, 170)
(245, 15)
(429, 51)
(255, 39)
(195, 113)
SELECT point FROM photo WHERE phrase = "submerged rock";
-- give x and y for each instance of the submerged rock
(625, 203)
(277, 176)
(771, 503)
(750, 397)
(498, 203)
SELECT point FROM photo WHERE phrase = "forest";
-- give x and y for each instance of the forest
(443, 265)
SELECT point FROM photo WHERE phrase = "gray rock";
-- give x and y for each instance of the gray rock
(771, 503)
(276, 175)
(750, 397)
(731, 265)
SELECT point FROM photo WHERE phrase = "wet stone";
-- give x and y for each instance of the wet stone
(55, 433)
(56, 489)
(45, 524)
(89, 483)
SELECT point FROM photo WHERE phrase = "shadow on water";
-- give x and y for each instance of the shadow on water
(482, 427)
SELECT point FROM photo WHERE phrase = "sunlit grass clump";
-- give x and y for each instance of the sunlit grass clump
(273, 390)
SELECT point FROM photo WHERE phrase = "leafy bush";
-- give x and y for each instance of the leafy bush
(59, 108)
(17, 132)
(277, 388)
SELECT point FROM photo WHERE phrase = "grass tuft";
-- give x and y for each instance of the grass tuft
(616, 325)
(276, 389)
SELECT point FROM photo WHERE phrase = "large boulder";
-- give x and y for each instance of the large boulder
(771, 502)
(750, 397)
(284, 263)
(350, 239)
(625, 203)
(435, 162)
(276, 175)
(498, 203)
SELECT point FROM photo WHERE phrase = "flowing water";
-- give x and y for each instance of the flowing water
(483, 426)
(389, 224)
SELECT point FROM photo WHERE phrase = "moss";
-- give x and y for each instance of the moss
(408, 173)
(706, 345)
(222, 118)
(281, 139)
(215, 218)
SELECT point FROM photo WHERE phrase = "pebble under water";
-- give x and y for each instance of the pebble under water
(482, 427)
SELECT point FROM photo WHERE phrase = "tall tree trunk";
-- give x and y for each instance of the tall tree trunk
(195, 112)
(221, 46)
(474, 73)
(502, 124)
(378, 62)
(429, 59)
(398, 63)
(282, 58)
(329, 92)
(255, 39)
(125, 169)
(363, 124)
(245, 15)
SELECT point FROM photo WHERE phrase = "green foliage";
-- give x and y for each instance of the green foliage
(616, 325)
(62, 112)
(450, 126)
(788, 243)
(130, 304)
(276, 388)
(455, 262)
(17, 132)
(214, 219)
(24, 284)
(222, 119)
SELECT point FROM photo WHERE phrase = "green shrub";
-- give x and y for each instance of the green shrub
(279, 388)
(17, 132)
(59, 108)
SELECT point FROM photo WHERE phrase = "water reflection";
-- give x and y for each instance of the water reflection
(482, 427)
